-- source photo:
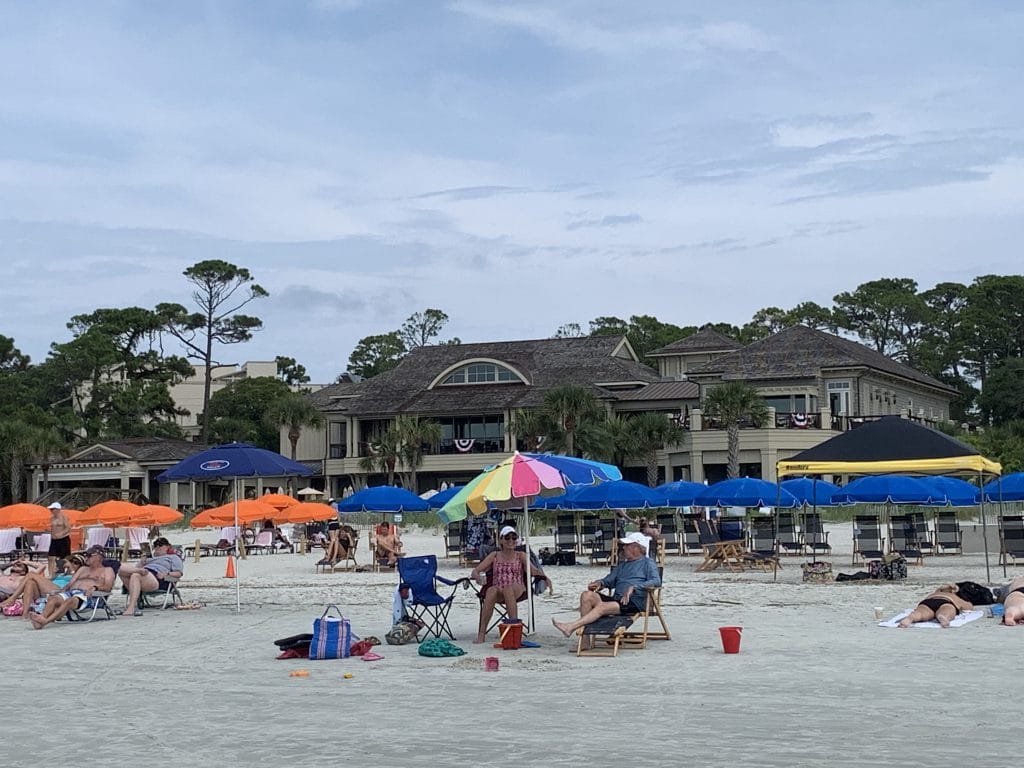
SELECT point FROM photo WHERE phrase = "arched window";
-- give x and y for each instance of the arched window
(481, 373)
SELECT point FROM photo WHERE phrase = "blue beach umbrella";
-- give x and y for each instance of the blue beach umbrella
(680, 493)
(745, 492)
(885, 489)
(441, 498)
(811, 493)
(951, 491)
(1008, 488)
(615, 494)
(383, 498)
(232, 461)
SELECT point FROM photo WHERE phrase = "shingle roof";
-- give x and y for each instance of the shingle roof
(142, 449)
(665, 390)
(800, 352)
(544, 363)
(707, 339)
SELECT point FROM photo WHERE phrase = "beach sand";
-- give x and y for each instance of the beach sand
(816, 683)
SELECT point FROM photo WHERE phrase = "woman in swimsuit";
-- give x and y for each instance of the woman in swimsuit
(507, 582)
(1013, 603)
(942, 605)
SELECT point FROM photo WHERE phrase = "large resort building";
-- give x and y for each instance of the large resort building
(815, 384)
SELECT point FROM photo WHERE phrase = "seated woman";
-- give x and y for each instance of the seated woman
(387, 544)
(1013, 603)
(507, 583)
(341, 545)
(942, 605)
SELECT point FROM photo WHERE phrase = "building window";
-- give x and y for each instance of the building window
(337, 443)
(481, 373)
(472, 434)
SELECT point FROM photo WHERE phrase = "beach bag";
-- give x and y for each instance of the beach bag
(894, 568)
(975, 593)
(817, 572)
(565, 558)
(14, 609)
(875, 569)
(332, 635)
(403, 632)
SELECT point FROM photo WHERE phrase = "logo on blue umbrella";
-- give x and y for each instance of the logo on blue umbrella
(214, 465)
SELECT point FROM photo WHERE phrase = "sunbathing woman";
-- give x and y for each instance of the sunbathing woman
(1013, 603)
(943, 605)
(387, 545)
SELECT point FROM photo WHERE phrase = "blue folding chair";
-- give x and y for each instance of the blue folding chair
(428, 606)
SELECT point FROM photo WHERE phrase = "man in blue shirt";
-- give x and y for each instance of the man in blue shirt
(629, 582)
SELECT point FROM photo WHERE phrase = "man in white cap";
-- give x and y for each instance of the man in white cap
(60, 538)
(629, 581)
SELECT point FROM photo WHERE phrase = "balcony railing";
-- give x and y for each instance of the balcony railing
(797, 420)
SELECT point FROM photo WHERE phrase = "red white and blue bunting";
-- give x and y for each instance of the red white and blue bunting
(464, 445)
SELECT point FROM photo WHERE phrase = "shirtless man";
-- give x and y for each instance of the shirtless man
(1013, 603)
(150, 574)
(943, 605)
(91, 577)
(35, 584)
(10, 582)
(60, 538)
(388, 545)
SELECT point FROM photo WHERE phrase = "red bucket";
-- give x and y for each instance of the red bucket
(730, 638)
(511, 634)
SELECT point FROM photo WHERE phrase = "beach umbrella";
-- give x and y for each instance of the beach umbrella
(615, 494)
(31, 517)
(443, 496)
(307, 512)
(884, 489)
(680, 493)
(745, 492)
(382, 498)
(233, 461)
(245, 511)
(1007, 488)
(518, 481)
(308, 491)
(950, 491)
(278, 500)
(810, 492)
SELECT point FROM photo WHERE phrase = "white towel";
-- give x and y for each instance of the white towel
(399, 607)
(958, 621)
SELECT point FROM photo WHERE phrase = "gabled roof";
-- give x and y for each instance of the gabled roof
(543, 363)
(800, 352)
(888, 445)
(707, 339)
(665, 390)
(141, 449)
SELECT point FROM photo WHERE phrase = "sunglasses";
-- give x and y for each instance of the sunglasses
(511, 536)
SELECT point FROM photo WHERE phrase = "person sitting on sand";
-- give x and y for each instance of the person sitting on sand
(92, 577)
(16, 573)
(507, 582)
(942, 605)
(1013, 603)
(151, 574)
(629, 581)
(387, 544)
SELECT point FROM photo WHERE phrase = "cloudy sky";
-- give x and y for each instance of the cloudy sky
(519, 165)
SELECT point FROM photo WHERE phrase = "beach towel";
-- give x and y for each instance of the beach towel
(958, 621)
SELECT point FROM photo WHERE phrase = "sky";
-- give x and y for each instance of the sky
(517, 165)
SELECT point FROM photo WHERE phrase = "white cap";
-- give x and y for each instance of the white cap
(507, 530)
(637, 538)
(55, 505)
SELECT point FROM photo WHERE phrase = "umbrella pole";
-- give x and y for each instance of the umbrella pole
(984, 530)
(238, 535)
(530, 629)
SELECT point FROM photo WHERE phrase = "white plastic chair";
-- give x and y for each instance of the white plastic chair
(41, 545)
(97, 537)
(9, 543)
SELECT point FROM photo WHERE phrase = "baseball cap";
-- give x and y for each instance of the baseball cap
(55, 505)
(637, 538)
(96, 549)
(507, 530)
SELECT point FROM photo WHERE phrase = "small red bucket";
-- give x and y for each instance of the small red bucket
(511, 634)
(491, 664)
(730, 638)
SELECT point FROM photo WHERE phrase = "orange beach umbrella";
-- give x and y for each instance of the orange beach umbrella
(307, 512)
(249, 511)
(31, 517)
(277, 500)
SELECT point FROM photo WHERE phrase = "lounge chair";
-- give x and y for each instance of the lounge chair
(925, 538)
(867, 539)
(137, 540)
(815, 536)
(903, 538)
(671, 541)
(790, 540)
(615, 630)
(566, 539)
(263, 543)
(949, 539)
(690, 536)
(454, 538)
(428, 606)
(98, 606)
(1011, 538)
(99, 537)
(604, 548)
(9, 544)
(40, 547)
(762, 536)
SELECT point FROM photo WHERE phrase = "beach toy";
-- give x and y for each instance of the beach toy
(491, 664)
(299, 673)
(347, 676)
(730, 639)
(511, 634)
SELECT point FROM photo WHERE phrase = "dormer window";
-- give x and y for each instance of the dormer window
(481, 373)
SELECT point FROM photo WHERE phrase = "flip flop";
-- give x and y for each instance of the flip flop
(371, 656)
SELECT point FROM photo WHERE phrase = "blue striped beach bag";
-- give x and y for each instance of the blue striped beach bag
(332, 635)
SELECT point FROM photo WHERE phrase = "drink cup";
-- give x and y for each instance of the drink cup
(879, 613)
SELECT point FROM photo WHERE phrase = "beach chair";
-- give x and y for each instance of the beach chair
(949, 539)
(40, 547)
(718, 552)
(9, 551)
(137, 540)
(500, 609)
(606, 636)
(903, 538)
(604, 548)
(923, 533)
(815, 536)
(868, 542)
(97, 608)
(589, 526)
(670, 538)
(98, 537)
(565, 534)
(454, 538)
(762, 536)
(162, 598)
(1011, 539)
(790, 540)
(262, 544)
(689, 541)
(428, 605)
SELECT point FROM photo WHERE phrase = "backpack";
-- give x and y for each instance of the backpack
(975, 593)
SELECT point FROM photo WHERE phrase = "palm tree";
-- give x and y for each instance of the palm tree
(413, 433)
(729, 404)
(21, 444)
(384, 454)
(530, 426)
(294, 412)
(650, 432)
(570, 409)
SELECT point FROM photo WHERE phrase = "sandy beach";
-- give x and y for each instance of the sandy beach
(816, 682)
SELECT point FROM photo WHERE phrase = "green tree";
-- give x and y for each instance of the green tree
(293, 412)
(765, 322)
(887, 314)
(412, 434)
(421, 328)
(1002, 398)
(651, 432)
(530, 425)
(238, 412)
(570, 410)
(730, 404)
(290, 372)
(993, 323)
(219, 291)
(374, 355)
(569, 331)
(384, 453)
(1004, 444)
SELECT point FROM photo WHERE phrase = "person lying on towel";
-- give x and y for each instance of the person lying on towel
(1013, 603)
(151, 574)
(629, 581)
(943, 605)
